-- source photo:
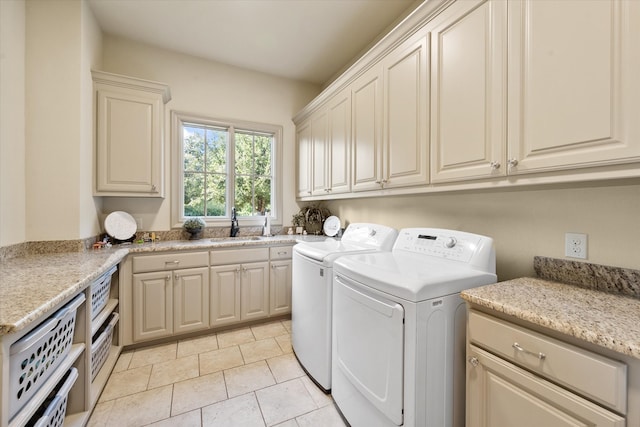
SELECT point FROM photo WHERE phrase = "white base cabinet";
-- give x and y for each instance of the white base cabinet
(173, 293)
(516, 376)
(168, 302)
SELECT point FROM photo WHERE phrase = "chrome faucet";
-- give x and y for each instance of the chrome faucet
(234, 223)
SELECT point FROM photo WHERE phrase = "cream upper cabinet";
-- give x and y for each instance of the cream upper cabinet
(574, 96)
(405, 159)
(303, 136)
(468, 91)
(319, 158)
(366, 113)
(129, 129)
(338, 155)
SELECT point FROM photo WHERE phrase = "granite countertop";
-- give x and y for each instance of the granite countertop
(31, 286)
(610, 320)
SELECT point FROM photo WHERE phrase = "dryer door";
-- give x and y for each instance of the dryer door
(369, 339)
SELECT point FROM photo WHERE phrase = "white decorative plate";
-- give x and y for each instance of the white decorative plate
(331, 226)
(120, 225)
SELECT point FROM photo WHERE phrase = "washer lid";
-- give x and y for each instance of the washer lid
(329, 249)
(411, 277)
(120, 225)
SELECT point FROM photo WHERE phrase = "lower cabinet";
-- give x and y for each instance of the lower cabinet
(280, 290)
(166, 294)
(239, 292)
(519, 377)
(168, 302)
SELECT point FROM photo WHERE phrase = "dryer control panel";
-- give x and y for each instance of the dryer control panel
(450, 244)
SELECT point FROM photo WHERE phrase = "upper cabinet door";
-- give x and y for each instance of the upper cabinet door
(129, 136)
(573, 83)
(303, 132)
(319, 184)
(405, 138)
(366, 98)
(339, 143)
(468, 90)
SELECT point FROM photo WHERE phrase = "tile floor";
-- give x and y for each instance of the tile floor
(242, 377)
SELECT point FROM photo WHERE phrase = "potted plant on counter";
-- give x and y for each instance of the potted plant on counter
(194, 227)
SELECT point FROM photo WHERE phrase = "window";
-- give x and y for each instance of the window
(221, 164)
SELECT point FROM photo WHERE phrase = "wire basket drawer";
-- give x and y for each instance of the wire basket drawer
(54, 409)
(34, 357)
(102, 344)
(100, 292)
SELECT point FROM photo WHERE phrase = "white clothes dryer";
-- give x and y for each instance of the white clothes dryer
(312, 292)
(399, 328)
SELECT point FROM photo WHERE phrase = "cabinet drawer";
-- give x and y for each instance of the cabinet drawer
(594, 376)
(172, 261)
(280, 252)
(238, 256)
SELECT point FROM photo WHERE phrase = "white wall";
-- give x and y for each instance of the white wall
(62, 45)
(12, 122)
(214, 90)
(524, 222)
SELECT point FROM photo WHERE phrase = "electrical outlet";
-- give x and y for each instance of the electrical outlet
(575, 245)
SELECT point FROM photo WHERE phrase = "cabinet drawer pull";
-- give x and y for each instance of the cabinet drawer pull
(539, 355)
(176, 262)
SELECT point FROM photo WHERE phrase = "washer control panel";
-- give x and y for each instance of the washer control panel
(450, 244)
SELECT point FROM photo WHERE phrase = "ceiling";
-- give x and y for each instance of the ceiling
(307, 40)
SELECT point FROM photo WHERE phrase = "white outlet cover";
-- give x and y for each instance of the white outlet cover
(575, 245)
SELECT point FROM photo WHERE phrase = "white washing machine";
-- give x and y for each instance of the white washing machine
(399, 328)
(312, 292)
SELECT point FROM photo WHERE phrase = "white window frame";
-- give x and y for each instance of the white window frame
(177, 170)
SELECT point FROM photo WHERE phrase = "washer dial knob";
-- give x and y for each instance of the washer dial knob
(450, 242)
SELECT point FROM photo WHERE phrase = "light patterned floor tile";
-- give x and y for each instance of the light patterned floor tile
(260, 350)
(318, 396)
(268, 330)
(155, 354)
(189, 419)
(287, 325)
(235, 337)
(218, 360)
(173, 371)
(123, 361)
(239, 411)
(142, 408)
(126, 382)
(285, 367)
(198, 392)
(284, 341)
(100, 415)
(284, 401)
(245, 379)
(325, 417)
(197, 345)
(288, 423)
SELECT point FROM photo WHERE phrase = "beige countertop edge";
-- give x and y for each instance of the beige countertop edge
(32, 286)
(604, 319)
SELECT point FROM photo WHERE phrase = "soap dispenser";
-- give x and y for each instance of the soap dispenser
(266, 231)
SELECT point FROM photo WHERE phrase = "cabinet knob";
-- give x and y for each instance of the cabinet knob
(167, 278)
(153, 187)
(512, 163)
(474, 361)
(495, 165)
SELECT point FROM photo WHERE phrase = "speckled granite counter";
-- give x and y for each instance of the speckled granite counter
(606, 319)
(32, 285)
